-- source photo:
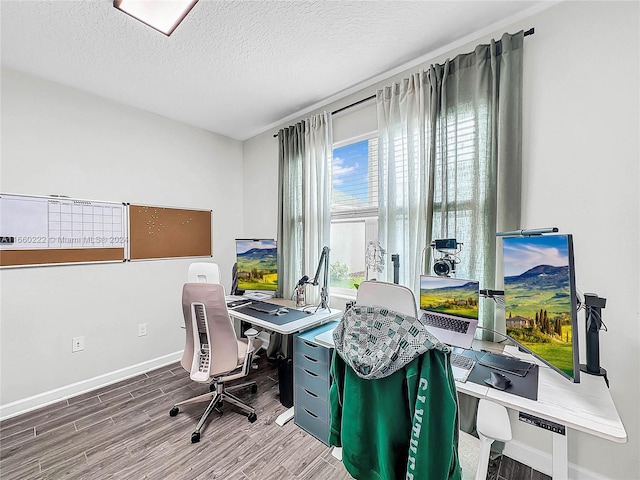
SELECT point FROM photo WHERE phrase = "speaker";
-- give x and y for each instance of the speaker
(285, 381)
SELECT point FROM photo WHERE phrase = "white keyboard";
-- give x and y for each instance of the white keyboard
(461, 367)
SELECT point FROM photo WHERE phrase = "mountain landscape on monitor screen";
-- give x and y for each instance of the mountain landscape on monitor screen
(258, 269)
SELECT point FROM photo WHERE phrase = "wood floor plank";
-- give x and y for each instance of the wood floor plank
(322, 469)
(31, 418)
(34, 447)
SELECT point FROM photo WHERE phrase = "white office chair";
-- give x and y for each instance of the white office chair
(204, 272)
(390, 295)
(212, 352)
(492, 424)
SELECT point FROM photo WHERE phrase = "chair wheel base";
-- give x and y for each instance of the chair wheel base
(174, 411)
(252, 417)
(195, 437)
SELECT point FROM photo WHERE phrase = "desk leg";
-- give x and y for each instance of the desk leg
(560, 458)
(284, 417)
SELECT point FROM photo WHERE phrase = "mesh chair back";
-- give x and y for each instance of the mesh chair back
(205, 310)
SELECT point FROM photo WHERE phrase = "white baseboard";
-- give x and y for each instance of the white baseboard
(542, 462)
(47, 398)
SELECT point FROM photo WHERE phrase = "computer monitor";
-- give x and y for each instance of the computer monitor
(257, 265)
(540, 299)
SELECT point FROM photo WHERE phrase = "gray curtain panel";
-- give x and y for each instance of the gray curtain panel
(304, 199)
(474, 154)
(290, 236)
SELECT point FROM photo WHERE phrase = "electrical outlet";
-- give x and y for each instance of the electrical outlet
(142, 329)
(77, 344)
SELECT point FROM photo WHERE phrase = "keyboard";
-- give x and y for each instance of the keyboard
(461, 366)
(461, 361)
(238, 303)
(264, 307)
(446, 323)
(505, 363)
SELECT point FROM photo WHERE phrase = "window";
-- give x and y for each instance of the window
(354, 209)
(460, 192)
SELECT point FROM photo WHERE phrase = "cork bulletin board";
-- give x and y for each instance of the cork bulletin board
(162, 232)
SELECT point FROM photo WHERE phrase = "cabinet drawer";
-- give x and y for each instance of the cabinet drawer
(313, 423)
(312, 351)
(311, 381)
(312, 401)
(318, 368)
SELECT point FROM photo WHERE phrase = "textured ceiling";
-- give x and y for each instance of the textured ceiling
(236, 68)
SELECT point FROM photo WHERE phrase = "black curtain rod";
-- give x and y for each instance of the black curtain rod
(346, 107)
(531, 31)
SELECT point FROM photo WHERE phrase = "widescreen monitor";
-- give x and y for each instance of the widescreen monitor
(257, 264)
(540, 299)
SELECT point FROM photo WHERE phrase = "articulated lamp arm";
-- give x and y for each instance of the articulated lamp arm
(323, 265)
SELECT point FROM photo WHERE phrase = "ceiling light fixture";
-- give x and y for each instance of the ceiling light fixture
(162, 15)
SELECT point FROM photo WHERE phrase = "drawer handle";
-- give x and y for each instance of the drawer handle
(310, 373)
(310, 393)
(310, 359)
(310, 345)
(311, 413)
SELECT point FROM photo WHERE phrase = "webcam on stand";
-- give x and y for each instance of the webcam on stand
(446, 264)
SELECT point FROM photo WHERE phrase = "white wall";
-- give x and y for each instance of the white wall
(58, 140)
(581, 155)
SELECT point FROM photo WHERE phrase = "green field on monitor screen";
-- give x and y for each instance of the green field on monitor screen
(558, 354)
(445, 304)
(250, 285)
(526, 303)
(257, 274)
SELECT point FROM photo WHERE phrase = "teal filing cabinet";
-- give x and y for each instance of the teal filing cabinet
(311, 380)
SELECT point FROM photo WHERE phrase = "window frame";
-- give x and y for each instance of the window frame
(368, 216)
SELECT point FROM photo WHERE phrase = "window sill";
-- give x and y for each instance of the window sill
(349, 297)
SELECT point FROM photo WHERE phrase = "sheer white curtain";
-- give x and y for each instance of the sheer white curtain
(402, 192)
(450, 157)
(316, 191)
(304, 198)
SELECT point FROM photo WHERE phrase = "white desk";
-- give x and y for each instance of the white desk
(586, 406)
(312, 320)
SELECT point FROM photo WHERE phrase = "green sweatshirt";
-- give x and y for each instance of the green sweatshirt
(393, 401)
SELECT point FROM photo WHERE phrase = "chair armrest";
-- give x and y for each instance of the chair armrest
(251, 333)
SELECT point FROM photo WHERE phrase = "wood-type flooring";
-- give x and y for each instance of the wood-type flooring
(124, 431)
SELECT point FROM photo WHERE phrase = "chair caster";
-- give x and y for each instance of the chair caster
(195, 437)
(254, 389)
(174, 411)
(252, 417)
